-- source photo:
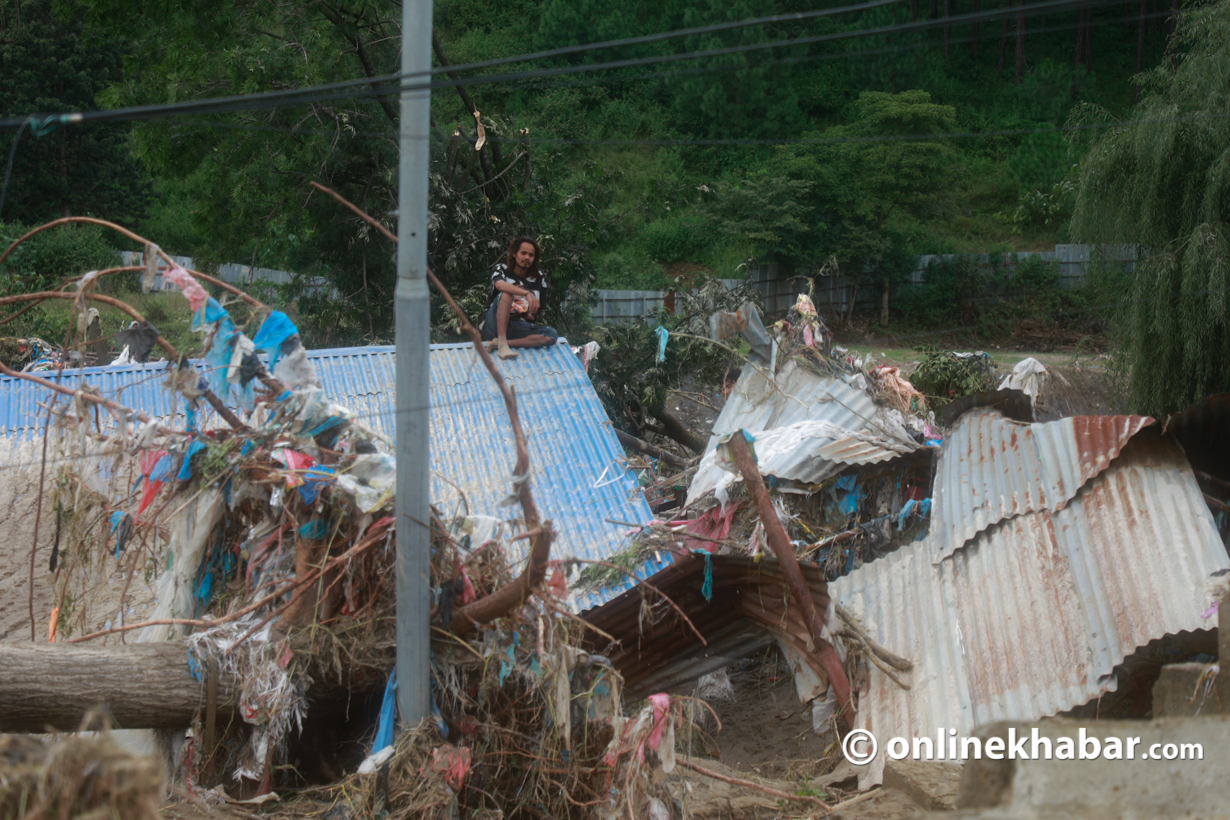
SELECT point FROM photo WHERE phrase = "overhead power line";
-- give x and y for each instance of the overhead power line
(383, 86)
(767, 141)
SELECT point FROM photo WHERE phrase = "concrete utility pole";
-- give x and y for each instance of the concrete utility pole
(413, 382)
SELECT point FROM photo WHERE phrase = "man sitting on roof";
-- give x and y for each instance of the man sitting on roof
(514, 299)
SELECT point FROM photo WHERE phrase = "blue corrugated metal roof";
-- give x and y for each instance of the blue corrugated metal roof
(578, 476)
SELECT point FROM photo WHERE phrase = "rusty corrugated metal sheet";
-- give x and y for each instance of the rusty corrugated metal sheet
(1032, 616)
(657, 650)
(991, 468)
(846, 427)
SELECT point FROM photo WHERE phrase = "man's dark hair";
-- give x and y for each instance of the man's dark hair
(512, 255)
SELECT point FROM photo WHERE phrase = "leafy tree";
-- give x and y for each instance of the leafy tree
(768, 212)
(878, 167)
(50, 66)
(1163, 183)
(746, 93)
(246, 174)
(43, 263)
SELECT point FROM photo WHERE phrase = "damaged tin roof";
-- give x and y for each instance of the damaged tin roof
(745, 610)
(1031, 616)
(578, 467)
(579, 476)
(807, 426)
(992, 467)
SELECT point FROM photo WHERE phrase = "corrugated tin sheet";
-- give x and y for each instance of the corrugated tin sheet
(580, 481)
(992, 468)
(1032, 616)
(859, 431)
(578, 474)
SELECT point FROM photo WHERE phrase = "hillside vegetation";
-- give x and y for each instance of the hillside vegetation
(829, 147)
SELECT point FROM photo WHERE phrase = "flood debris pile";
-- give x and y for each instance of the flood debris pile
(85, 778)
(842, 444)
(230, 511)
(818, 464)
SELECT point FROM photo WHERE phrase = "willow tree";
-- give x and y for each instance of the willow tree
(1161, 181)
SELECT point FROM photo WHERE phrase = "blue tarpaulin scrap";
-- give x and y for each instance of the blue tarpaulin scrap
(313, 480)
(706, 588)
(849, 502)
(218, 357)
(316, 529)
(388, 715)
(904, 515)
(185, 470)
(121, 525)
(163, 469)
(274, 331)
(194, 667)
(663, 335)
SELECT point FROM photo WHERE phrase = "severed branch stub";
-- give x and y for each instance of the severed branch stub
(510, 596)
(779, 542)
(882, 652)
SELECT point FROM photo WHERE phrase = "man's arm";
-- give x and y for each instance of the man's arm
(504, 286)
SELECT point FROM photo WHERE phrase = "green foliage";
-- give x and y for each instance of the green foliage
(47, 259)
(942, 376)
(767, 213)
(629, 379)
(43, 263)
(234, 188)
(864, 177)
(682, 238)
(745, 93)
(1164, 184)
(50, 66)
(1042, 209)
(949, 295)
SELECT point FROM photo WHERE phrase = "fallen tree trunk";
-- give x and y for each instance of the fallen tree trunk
(140, 686)
(801, 596)
(675, 429)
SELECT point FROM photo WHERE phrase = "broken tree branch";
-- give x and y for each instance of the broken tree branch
(853, 638)
(779, 541)
(749, 784)
(215, 402)
(512, 595)
(89, 220)
(881, 651)
(634, 443)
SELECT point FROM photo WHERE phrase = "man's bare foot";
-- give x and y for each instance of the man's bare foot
(493, 345)
(506, 352)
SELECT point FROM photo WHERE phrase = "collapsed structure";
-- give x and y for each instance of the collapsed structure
(1013, 565)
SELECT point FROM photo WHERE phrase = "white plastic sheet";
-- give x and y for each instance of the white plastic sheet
(1029, 376)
